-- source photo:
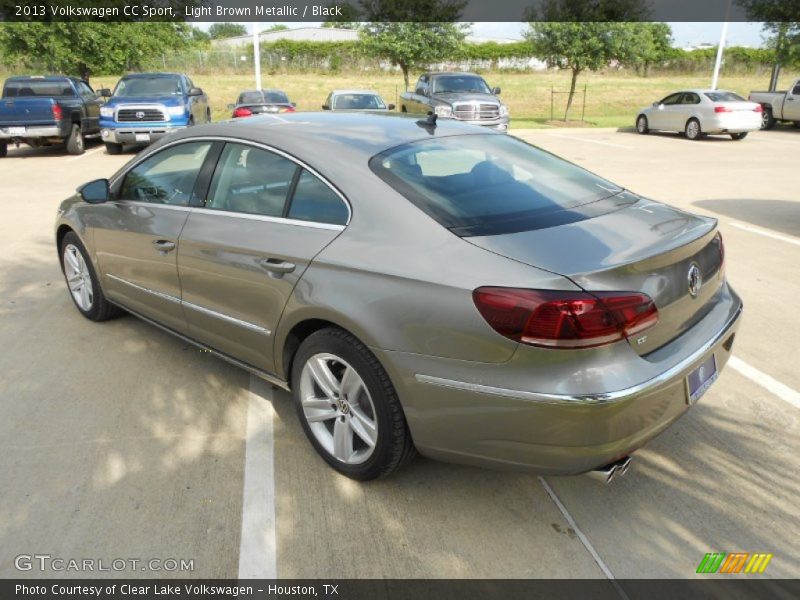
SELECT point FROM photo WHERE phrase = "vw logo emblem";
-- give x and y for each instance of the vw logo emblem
(695, 279)
(344, 407)
(140, 114)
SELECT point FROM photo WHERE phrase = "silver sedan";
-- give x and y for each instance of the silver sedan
(701, 112)
(416, 285)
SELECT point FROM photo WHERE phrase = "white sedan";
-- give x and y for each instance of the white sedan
(701, 112)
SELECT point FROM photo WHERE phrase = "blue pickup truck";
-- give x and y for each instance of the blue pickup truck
(147, 106)
(42, 110)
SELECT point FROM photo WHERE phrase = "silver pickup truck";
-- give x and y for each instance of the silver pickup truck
(462, 96)
(779, 106)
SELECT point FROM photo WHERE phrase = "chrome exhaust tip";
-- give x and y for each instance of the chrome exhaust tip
(611, 471)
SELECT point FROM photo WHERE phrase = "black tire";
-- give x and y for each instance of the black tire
(112, 148)
(767, 119)
(394, 446)
(403, 109)
(3, 150)
(75, 142)
(191, 122)
(693, 130)
(100, 309)
(208, 115)
(796, 124)
(738, 136)
(642, 125)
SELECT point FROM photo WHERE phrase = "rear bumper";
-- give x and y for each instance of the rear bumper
(732, 123)
(480, 421)
(35, 131)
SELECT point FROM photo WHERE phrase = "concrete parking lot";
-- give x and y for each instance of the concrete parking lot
(120, 441)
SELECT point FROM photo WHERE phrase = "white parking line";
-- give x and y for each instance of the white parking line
(769, 234)
(582, 537)
(85, 154)
(772, 385)
(257, 548)
(591, 141)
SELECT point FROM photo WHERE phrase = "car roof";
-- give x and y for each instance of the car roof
(316, 136)
(268, 90)
(40, 78)
(456, 73)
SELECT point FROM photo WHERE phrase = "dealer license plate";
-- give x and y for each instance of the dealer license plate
(699, 380)
(142, 137)
(16, 131)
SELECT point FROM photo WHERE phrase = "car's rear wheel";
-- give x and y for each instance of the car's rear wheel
(767, 119)
(75, 143)
(796, 124)
(693, 130)
(348, 407)
(3, 150)
(82, 281)
(739, 136)
(112, 148)
(641, 125)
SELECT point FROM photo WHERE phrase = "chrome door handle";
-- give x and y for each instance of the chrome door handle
(164, 246)
(277, 266)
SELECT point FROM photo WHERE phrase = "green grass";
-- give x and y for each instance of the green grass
(612, 98)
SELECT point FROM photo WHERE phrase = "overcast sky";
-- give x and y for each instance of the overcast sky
(684, 34)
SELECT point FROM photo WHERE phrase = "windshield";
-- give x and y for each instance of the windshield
(149, 86)
(490, 184)
(263, 97)
(358, 102)
(724, 97)
(447, 84)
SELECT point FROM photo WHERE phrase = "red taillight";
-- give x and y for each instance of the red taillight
(285, 109)
(242, 112)
(57, 112)
(564, 319)
(758, 108)
(720, 109)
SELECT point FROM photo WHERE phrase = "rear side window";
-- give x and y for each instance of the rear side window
(167, 177)
(314, 201)
(250, 180)
(492, 184)
(33, 88)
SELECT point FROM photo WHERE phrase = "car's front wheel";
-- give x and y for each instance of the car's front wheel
(641, 125)
(82, 282)
(693, 130)
(739, 136)
(348, 407)
(112, 148)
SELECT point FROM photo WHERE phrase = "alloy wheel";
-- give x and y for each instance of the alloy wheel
(78, 278)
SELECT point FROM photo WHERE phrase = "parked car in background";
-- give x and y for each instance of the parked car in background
(45, 110)
(462, 96)
(147, 106)
(701, 112)
(356, 100)
(256, 102)
(779, 106)
(410, 285)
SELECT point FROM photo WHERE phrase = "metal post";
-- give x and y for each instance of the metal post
(721, 47)
(257, 55)
(583, 110)
(552, 97)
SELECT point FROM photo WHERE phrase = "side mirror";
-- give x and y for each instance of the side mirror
(325, 107)
(231, 106)
(420, 91)
(294, 104)
(656, 104)
(104, 92)
(195, 92)
(391, 106)
(94, 192)
(496, 91)
(660, 106)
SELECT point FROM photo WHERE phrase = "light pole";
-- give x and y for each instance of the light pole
(257, 55)
(721, 47)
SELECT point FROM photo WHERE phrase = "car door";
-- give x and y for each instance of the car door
(661, 117)
(198, 104)
(136, 233)
(688, 107)
(791, 106)
(241, 253)
(92, 103)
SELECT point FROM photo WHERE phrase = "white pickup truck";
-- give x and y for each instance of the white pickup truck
(779, 106)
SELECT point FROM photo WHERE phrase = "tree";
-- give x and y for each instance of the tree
(583, 35)
(276, 27)
(87, 48)
(393, 33)
(650, 43)
(226, 30)
(781, 21)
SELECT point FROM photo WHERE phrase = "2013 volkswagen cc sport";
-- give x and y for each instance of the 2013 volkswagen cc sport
(417, 286)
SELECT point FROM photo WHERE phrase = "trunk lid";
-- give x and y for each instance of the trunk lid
(644, 247)
(26, 111)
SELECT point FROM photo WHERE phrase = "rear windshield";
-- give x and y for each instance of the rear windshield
(490, 184)
(149, 86)
(32, 89)
(266, 97)
(724, 97)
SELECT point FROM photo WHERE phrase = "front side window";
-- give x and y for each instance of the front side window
(314, 201)
(250, 180)
(672, 99)
(167, 177)
(85, 90)
(491, 184)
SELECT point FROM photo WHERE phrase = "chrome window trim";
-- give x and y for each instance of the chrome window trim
(228, 318)
(267, 219)
(161, 295)
(604, 398)
(217, 138)
(198, 308)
